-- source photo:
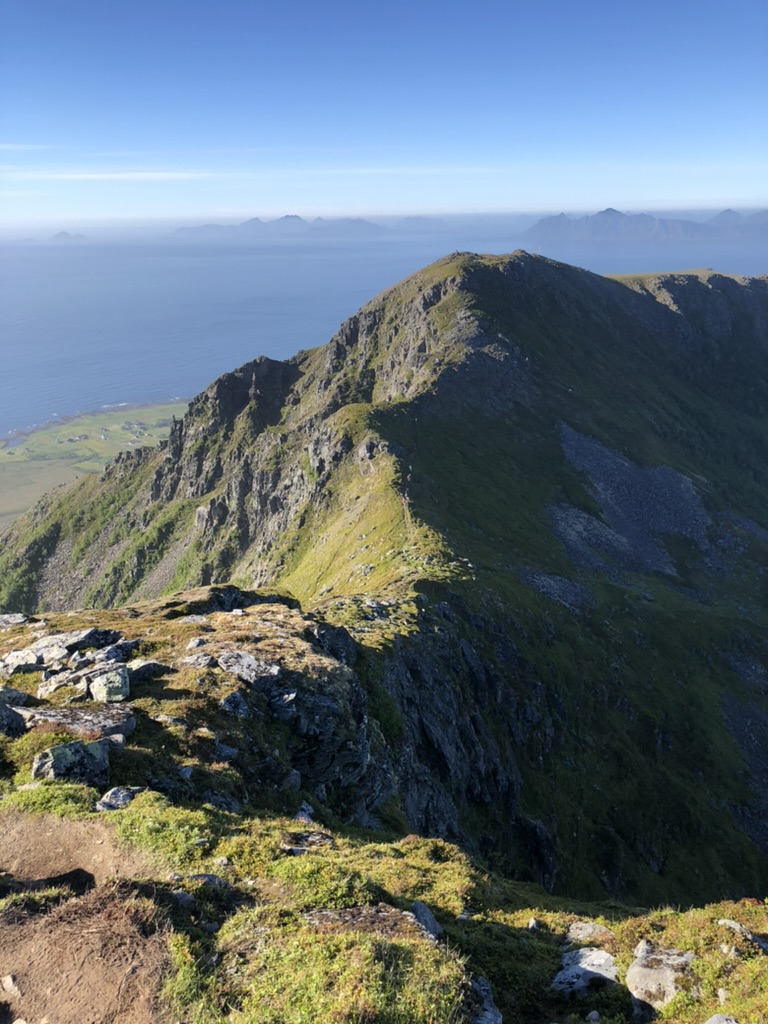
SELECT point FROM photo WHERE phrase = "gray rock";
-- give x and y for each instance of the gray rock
(427, 920)
(85, 638)
(305, 812)
(486, 1011)
(586, 931)
(200, 660)
(16, 698)
(292, 781)
(721, 1018)
(184, 900)
(118, 797)
(745, 933)
(26, 660)
(216, 881)
(236, 705)
(222, 801)
(108, 685)
(584, 970)
(107, 720)
(224, 752)
(140, 669)
(62, 679)
(9, 986)
(186, 772)
(87, 763)
(10, 619)
(119, 652)
(655, 977)
(196, 642)
(250, 669)
(11, 722)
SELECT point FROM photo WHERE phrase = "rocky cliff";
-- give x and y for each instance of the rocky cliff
(526, 503)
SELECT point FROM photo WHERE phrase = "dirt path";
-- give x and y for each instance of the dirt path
(98, 958)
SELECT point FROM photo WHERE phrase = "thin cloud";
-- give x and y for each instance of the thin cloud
(111, 175)
(20, 147)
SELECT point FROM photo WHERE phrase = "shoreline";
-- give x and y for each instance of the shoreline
(15, 438)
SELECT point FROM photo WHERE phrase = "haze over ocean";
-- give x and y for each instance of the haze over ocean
(94, 325)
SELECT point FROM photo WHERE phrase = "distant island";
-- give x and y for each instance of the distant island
(613, 226)
(289, 226)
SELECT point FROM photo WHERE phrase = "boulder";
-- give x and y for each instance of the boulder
(588, 931)
(118, 797)
(485, 1010)
(584, 970)
(25, 660)
(141, 669)
(87, 763)
(200, 660)
(88, 723)
(62, 679)
(739, 929)
(11, 722)
(655, 977)
(236, 705)
(427, 920)
(248, 668)
(16, 698)
(121, 651)
(108, 684)
(10, 619)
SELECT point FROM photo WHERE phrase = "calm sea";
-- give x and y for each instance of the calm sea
(87, 326)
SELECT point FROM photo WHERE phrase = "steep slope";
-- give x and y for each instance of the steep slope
(535, 497)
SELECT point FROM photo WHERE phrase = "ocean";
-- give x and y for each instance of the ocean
(87, 326)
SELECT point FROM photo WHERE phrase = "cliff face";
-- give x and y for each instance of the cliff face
(535, 499)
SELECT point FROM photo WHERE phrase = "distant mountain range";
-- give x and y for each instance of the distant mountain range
(289, 226)
(613, 226)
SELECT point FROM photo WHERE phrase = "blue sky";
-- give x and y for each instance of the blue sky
(209, 109)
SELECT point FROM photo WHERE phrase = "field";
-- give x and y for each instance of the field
(31, 464)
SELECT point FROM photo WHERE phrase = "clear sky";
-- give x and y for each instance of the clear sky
(209, 109)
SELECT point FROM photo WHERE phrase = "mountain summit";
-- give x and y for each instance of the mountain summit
(527, 504)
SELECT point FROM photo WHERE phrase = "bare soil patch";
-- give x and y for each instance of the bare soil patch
(97, 958)
(93, 959)
(37, 847)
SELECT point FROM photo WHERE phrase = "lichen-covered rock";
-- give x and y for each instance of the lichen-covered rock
(248, 668)
(588, 931)
(584, 970)
(655, 977)
(87, 763)
(109, 685)
(88, 723)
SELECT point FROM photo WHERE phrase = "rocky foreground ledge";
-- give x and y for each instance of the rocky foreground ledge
(196, 802)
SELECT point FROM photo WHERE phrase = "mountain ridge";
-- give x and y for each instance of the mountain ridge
(532, 496)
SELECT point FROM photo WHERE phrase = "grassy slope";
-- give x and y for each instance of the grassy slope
(257, 951)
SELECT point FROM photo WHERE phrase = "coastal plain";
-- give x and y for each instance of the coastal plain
(33, 463)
